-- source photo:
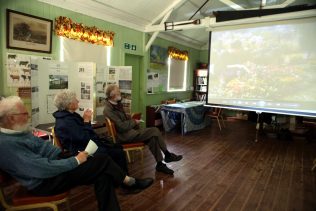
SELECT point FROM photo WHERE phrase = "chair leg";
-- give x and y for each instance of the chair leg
(68, 205)
(128, 157)
(314, 166)
(219, 124)
(224, 125)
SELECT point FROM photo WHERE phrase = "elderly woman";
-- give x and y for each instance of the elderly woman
(75, 131)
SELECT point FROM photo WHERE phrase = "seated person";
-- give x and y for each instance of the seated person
(128, 130)
(74, 131)
(36, 164)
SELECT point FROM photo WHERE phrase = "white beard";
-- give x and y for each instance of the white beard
(118, 98)
(22, 128)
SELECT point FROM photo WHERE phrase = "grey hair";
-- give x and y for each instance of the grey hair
(109, 90)
(63, 99)
(8, 105)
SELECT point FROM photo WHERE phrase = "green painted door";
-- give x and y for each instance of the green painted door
(135, 62)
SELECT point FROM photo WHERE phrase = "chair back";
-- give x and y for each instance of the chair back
(56, 140)
(22, 199)
(128, 147)
(216, 112)
(4, 180)
(110, 128)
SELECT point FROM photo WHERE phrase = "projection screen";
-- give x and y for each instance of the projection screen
(265, 67)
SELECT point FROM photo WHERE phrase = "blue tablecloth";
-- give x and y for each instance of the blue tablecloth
(190, 115)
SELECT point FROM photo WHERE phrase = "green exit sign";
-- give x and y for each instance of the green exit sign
(130, 46)
(127, 46)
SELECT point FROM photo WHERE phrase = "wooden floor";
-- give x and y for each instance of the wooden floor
(223, 171)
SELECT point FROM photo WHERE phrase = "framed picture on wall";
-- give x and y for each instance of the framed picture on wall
(28, 32)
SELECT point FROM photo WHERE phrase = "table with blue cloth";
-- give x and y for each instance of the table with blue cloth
(190, 116)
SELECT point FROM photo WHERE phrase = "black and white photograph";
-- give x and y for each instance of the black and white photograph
(28, 32)
(58, 81)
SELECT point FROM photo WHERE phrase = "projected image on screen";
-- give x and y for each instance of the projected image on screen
(271, 68)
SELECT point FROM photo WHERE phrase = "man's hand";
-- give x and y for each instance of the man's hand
(87, 115)
(82, 157)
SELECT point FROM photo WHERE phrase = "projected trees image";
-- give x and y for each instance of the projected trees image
(258, 63)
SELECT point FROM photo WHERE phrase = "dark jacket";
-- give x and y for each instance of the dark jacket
(72, 132)
(74, 135)
(125, 126)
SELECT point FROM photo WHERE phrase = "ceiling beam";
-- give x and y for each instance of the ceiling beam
(153, 37)
(172, 6)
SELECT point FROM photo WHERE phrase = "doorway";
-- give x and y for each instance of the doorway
(135, 61)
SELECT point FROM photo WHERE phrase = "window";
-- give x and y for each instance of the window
(177, 75)
(85, 52)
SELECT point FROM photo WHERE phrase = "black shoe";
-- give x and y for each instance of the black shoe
(143, 183)
(138, 186)
(164, 169)
(172, 157)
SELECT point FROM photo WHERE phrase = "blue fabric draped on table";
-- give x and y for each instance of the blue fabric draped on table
(191, 116)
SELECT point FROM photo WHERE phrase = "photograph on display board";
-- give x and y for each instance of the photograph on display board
(125, 85)
(85, 91)
(58, 81)
(126, 96)
(100, 87)
(100, 101)
(18, 70)
(127, 102)
(112, 75)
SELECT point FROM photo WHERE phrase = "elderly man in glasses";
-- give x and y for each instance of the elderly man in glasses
(36, 164)
(128, 130)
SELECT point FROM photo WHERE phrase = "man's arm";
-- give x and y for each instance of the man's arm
(122, 124)
(23, 160)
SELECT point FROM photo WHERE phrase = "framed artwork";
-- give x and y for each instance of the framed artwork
(28, 32)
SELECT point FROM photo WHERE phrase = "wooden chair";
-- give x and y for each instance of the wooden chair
(216, 113)
(22, 199)
(314, 164)
(56, 140)
(129, 147)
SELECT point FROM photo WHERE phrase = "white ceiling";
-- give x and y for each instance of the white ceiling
(150, 15)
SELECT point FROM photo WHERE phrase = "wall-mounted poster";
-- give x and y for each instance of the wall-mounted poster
(158, 55)
(156, 82)
(18, 70)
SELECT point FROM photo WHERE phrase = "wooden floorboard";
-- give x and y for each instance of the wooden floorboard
(224, 170)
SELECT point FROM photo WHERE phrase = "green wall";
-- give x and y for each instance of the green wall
(118, 53)
(204, 56)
